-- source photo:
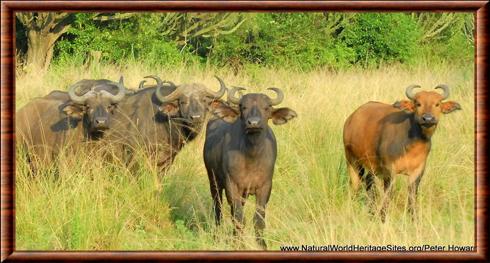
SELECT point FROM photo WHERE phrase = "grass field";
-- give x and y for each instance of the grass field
(92, 204)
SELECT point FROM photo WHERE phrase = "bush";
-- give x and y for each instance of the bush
(277, 39)
(302, 41)
(377, 37)
(118, 42)
(453, 44)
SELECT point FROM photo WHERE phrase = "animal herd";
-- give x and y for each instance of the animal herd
(240, 148)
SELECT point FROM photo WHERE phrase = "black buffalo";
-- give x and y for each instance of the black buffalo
(159, 120)
(240, 152)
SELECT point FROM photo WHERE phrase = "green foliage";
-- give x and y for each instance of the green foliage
(302, 41)
(309, 40)
(20, 37)
(127, 39)
(299, 39)
(453, 42)
(378, 37)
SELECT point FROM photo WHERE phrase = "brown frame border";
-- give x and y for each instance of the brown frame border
(480, 8)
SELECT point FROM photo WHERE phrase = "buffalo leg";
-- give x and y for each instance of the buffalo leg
(412, 193)
(368, 179)
(234, 198)
(388, 190)
(262, 198)
(355, 176)
(237, 212)
(216, 194)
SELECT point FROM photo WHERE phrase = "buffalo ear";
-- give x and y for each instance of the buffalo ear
(169, 109)
(450, 106)
(225, 112)
(112, 107)
(405, 105)
(215, 104)
(73, 110)
(282, 115)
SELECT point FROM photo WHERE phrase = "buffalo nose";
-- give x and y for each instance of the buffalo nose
(428, 118)
(253, 121)
(100, 121)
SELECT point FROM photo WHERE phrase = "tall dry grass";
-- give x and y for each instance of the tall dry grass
(89, 203)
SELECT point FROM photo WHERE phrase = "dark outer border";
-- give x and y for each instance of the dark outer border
(8, 8)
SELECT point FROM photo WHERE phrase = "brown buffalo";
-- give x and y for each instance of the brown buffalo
(385, 140)
(61, 119)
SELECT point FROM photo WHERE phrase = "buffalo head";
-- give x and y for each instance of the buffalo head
(427, 106)
(95, 105)
(189, 102)
(254, 110)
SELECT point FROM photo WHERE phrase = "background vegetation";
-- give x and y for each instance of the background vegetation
(293, 40)
(328, 64)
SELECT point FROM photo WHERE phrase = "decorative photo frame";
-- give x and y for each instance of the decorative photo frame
(9, 8)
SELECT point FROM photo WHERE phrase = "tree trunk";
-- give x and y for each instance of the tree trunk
(43, 29)
(40, 47)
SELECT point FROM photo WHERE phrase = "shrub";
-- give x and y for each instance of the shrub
(118, 42)
(377, 37)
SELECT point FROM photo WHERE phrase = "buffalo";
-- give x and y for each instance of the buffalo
(161, 119)
(240, 153)
(385, 140)
(61, 119)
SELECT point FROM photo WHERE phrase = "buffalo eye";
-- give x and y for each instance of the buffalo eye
(437, 105)
(111, 108)
(183, 102)
(417, 104)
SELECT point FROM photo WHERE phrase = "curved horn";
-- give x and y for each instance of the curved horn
(79, 99)
(170, 97)
(156, 78)
(445, 89)
(159, 81)
(171, 83)
(220, 92)
(121, 91)
(141, 85)
(231, 95)
(409, 91)
(279, 94)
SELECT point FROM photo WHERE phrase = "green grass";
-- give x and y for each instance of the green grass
(94, 204)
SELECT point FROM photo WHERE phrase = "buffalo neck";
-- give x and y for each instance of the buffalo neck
(253, 143)
(418, 134)
(416, 131)
(179, 134)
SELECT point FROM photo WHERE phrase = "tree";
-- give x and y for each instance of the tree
(437, 26)
(42, 30)
(185, 28)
